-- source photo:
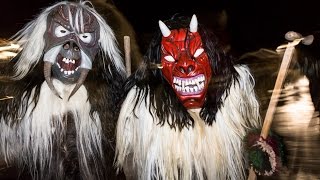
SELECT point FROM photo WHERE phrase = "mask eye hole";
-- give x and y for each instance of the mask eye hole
(85, 37)
(169, 58)
(61, 31)
(198, 52)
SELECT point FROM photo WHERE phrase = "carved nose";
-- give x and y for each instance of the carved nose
(186, 69)
(71, 46)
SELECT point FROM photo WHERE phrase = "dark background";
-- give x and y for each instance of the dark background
(250, 24)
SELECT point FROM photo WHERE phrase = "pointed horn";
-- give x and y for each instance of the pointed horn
(194, 24)
(164, 29)
(47, 76)
(82, 78)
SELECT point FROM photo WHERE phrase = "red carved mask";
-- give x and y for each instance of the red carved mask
(185, 64)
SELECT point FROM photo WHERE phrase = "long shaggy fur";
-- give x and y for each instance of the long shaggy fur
(163, 140)
(58, 138)
(199, 152)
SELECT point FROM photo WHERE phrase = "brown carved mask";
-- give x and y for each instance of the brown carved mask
(72, 42)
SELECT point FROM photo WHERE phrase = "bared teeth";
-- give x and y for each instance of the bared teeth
(192, 85)
(67, 66)
(67, 61)
(67, 72)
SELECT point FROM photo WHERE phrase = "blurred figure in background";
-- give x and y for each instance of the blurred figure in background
(309, 63)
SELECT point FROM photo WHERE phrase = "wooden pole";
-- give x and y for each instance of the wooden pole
(127, 52)
(6, 97)
(276, 93)
(277, 87)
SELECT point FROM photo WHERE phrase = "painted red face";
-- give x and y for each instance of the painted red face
(186, 66)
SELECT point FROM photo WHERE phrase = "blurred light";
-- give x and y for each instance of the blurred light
(9, 51)
(10, 47)
(298, 107)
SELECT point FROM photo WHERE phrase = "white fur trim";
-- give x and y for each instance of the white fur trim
(212, 152)
(32, 139)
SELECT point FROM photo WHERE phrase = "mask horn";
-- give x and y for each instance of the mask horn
(47, 76)
(194, 24)
(164, 29)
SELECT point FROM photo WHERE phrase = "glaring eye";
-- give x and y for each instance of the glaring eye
(169, 58)
(61, 31)
(198, 52)
(86, 37)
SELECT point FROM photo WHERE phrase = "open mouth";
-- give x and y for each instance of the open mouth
(67, 70)
(68, 66)
(189, 86)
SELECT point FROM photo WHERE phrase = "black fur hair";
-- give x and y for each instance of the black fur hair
(20, 90)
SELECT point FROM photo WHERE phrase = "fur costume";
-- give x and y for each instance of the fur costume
(58, 95)
(309, 64)
(166, 129)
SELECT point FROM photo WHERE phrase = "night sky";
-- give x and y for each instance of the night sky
(251, 24)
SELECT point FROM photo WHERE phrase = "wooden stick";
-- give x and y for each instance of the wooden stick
(277, 87)
(6, 97)
(276, 93)
(127, 52)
